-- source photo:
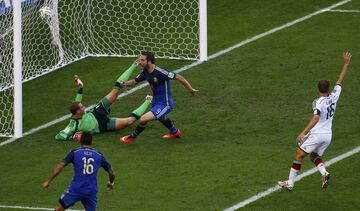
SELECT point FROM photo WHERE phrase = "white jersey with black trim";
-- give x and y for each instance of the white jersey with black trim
(325, 107)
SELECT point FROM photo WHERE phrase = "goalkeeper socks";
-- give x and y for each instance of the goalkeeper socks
(126, 75)
(117, 85)
(137, 113)
(139, 129)
(169, 125)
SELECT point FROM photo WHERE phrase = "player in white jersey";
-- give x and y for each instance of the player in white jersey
(316, 137)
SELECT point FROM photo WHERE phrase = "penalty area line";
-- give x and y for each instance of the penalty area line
(187, 67)
(298, 178)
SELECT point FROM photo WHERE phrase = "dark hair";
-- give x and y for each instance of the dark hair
(86, 138)
(74, 106)
(323, 86)
(149, 56)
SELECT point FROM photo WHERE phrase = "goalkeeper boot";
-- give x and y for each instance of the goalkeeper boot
(127, 139)
(325, 180)
(285, 185)
(177, 134)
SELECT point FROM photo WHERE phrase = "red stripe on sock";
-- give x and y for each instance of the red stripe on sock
(296, 166)
(318, 161)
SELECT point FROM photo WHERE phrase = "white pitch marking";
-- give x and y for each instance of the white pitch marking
(213, 56)
(298, 178)
(345, 11)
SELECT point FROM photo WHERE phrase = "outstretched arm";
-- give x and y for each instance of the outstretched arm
(58, 168)
(137, 79)
(80, 86)
(186, 84)
(129, 83)
(314, 120)
(68, 132)
(347, 57)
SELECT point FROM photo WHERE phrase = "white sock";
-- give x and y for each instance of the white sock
(293, 173)
(322, 169)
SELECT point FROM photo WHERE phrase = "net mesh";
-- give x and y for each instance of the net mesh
(59, 32)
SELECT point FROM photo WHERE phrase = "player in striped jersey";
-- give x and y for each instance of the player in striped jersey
(316, 136)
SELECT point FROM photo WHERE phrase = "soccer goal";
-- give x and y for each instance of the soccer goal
(40, 36)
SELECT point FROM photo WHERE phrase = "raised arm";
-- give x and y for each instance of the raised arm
(58, 168)
(346, 57)
(80, 86)
(186, 84)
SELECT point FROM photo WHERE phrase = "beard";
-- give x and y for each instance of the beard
(146, 67)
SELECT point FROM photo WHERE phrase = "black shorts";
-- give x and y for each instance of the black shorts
(101, 112)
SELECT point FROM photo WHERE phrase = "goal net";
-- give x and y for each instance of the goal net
(58, 32)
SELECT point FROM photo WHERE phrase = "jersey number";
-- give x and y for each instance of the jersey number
(330, 111)
(88, 166)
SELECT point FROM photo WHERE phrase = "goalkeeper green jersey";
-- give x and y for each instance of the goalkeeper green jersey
(87, 123)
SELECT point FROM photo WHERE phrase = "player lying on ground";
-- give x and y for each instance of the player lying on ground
(83, 187)
(96, 120)
(316, 137)
(162, 103)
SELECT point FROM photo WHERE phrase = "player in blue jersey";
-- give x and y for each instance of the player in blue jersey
(162, 102)
(83, 187)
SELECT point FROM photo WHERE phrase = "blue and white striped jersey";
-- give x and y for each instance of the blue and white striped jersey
(159, 81)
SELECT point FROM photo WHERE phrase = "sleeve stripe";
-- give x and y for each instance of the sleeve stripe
(162, 70)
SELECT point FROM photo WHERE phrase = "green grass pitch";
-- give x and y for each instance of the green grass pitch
(238, 132)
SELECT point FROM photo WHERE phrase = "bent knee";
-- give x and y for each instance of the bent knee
(130, 121)
(313, 156)
(143, 120)
(163, 119)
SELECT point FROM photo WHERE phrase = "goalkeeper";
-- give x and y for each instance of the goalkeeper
(97, 120)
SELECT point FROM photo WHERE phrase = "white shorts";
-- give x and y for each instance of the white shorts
(315, 143)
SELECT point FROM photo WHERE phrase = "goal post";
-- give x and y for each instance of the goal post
(17, 20)
(203, 30)
(41, 36)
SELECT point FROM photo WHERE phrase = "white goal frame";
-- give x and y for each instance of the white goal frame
(17, 58)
